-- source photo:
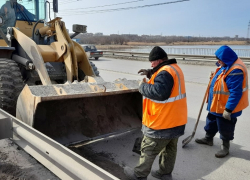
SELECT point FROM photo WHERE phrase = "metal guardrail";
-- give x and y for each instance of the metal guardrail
(179, 56)
(63, 162)
(188, 50)
(203, 51)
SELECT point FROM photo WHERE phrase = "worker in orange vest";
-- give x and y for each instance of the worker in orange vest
(227, 97)
(164, 116)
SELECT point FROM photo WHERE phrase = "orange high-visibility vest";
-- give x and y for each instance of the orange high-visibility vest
(221, 92)
(171, 112)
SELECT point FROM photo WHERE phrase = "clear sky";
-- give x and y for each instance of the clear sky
(189, 18)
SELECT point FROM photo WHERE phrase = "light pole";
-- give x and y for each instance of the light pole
(248, 32)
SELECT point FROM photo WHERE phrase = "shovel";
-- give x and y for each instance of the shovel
(137, 145)
(189, 138)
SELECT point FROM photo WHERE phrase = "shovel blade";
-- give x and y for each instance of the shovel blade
(187, 140)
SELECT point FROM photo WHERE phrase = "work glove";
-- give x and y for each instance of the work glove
(211, 74)
(227, 115)
(142, 81)
(143, 72)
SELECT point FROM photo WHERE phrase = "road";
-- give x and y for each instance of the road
(194, 162)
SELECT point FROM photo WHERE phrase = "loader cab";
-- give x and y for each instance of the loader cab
(22, 14)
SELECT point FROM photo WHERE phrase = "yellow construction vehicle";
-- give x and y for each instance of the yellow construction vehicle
(47, 81)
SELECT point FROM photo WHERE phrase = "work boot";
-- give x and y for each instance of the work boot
(224, 149)
(131, 174)
(158, 175)
(208, 140)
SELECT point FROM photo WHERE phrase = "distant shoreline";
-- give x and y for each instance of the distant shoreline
(135, 44)
(190, 43)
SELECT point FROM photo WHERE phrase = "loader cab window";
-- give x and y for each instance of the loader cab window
(29, 10)
(22, 10)
(8, 15)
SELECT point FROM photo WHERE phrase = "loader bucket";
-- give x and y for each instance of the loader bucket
(70, 113)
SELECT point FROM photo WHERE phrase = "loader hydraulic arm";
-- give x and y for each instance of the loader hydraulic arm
(30, 47)
(63, 49)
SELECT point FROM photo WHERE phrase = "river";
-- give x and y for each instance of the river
(241, 50)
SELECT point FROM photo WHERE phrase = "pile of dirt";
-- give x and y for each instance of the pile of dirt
(103, 160)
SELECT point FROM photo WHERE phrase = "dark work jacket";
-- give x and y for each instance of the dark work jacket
(160, 91)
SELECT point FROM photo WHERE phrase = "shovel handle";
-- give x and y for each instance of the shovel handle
(199, 115)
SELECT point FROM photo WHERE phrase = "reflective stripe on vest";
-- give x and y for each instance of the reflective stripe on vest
(222, 84)
(221, 93)
(171, 112)
(172, 99)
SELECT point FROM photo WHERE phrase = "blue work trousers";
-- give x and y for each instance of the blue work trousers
(225, 127)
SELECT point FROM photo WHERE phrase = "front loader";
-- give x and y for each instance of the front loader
(47, 81)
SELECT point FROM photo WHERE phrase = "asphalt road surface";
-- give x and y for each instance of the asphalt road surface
(195, 161)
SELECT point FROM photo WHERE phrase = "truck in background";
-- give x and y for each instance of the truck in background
(92, 51)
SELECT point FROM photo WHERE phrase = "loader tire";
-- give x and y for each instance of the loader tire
(81, 74)
(11, 84)
(94, 69)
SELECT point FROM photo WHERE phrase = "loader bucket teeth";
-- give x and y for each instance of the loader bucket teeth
(70, 113)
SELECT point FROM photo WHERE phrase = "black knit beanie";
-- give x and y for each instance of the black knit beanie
(157, 53)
